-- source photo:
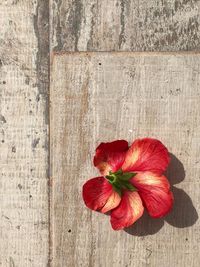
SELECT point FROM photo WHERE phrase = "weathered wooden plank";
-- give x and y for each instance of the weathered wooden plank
(105, 96)
(24, 216)
(125, 25)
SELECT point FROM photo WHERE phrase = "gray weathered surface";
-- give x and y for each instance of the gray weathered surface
(105, 96)
(121, 98)
(24, 231)
(125, 25)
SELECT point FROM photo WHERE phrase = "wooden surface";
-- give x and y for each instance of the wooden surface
(125, 25)
(97, 97)
(24, 231)
(31, 230)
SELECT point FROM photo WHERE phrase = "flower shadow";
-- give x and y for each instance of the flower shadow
(183, 213)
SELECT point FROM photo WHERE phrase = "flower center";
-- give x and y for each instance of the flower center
(120, 180)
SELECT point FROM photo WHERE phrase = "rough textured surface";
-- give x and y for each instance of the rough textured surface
(24, 231)
(104, 96)
(125, 25)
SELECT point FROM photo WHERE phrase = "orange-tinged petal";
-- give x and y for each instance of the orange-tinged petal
(143, 180)
(155, 193)
(112, 202)
(146, 154)
(98, 194)
(129, 210)
(110, 156)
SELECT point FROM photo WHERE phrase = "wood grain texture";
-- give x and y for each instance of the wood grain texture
(125, 25)
(24, 219)
(99, 97)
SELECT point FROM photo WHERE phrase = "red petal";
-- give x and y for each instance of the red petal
(146, 155)
(129, 210)
(98, 194)
(110, 156)
(155, 193)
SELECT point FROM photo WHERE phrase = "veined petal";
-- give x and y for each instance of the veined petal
(143, 180)
(98, 194)
(112, 202)
(110, 156)
(129, 210)
(146, 155)
(155, 193)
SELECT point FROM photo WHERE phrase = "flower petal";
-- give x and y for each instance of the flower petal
(155, 193)
(129, 210)
(110, 156)
(146, 155)
(143, 180)
(98, 194)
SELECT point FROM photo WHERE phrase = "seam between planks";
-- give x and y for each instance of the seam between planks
(118, 53)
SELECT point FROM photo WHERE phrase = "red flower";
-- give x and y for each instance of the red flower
(132, 178)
